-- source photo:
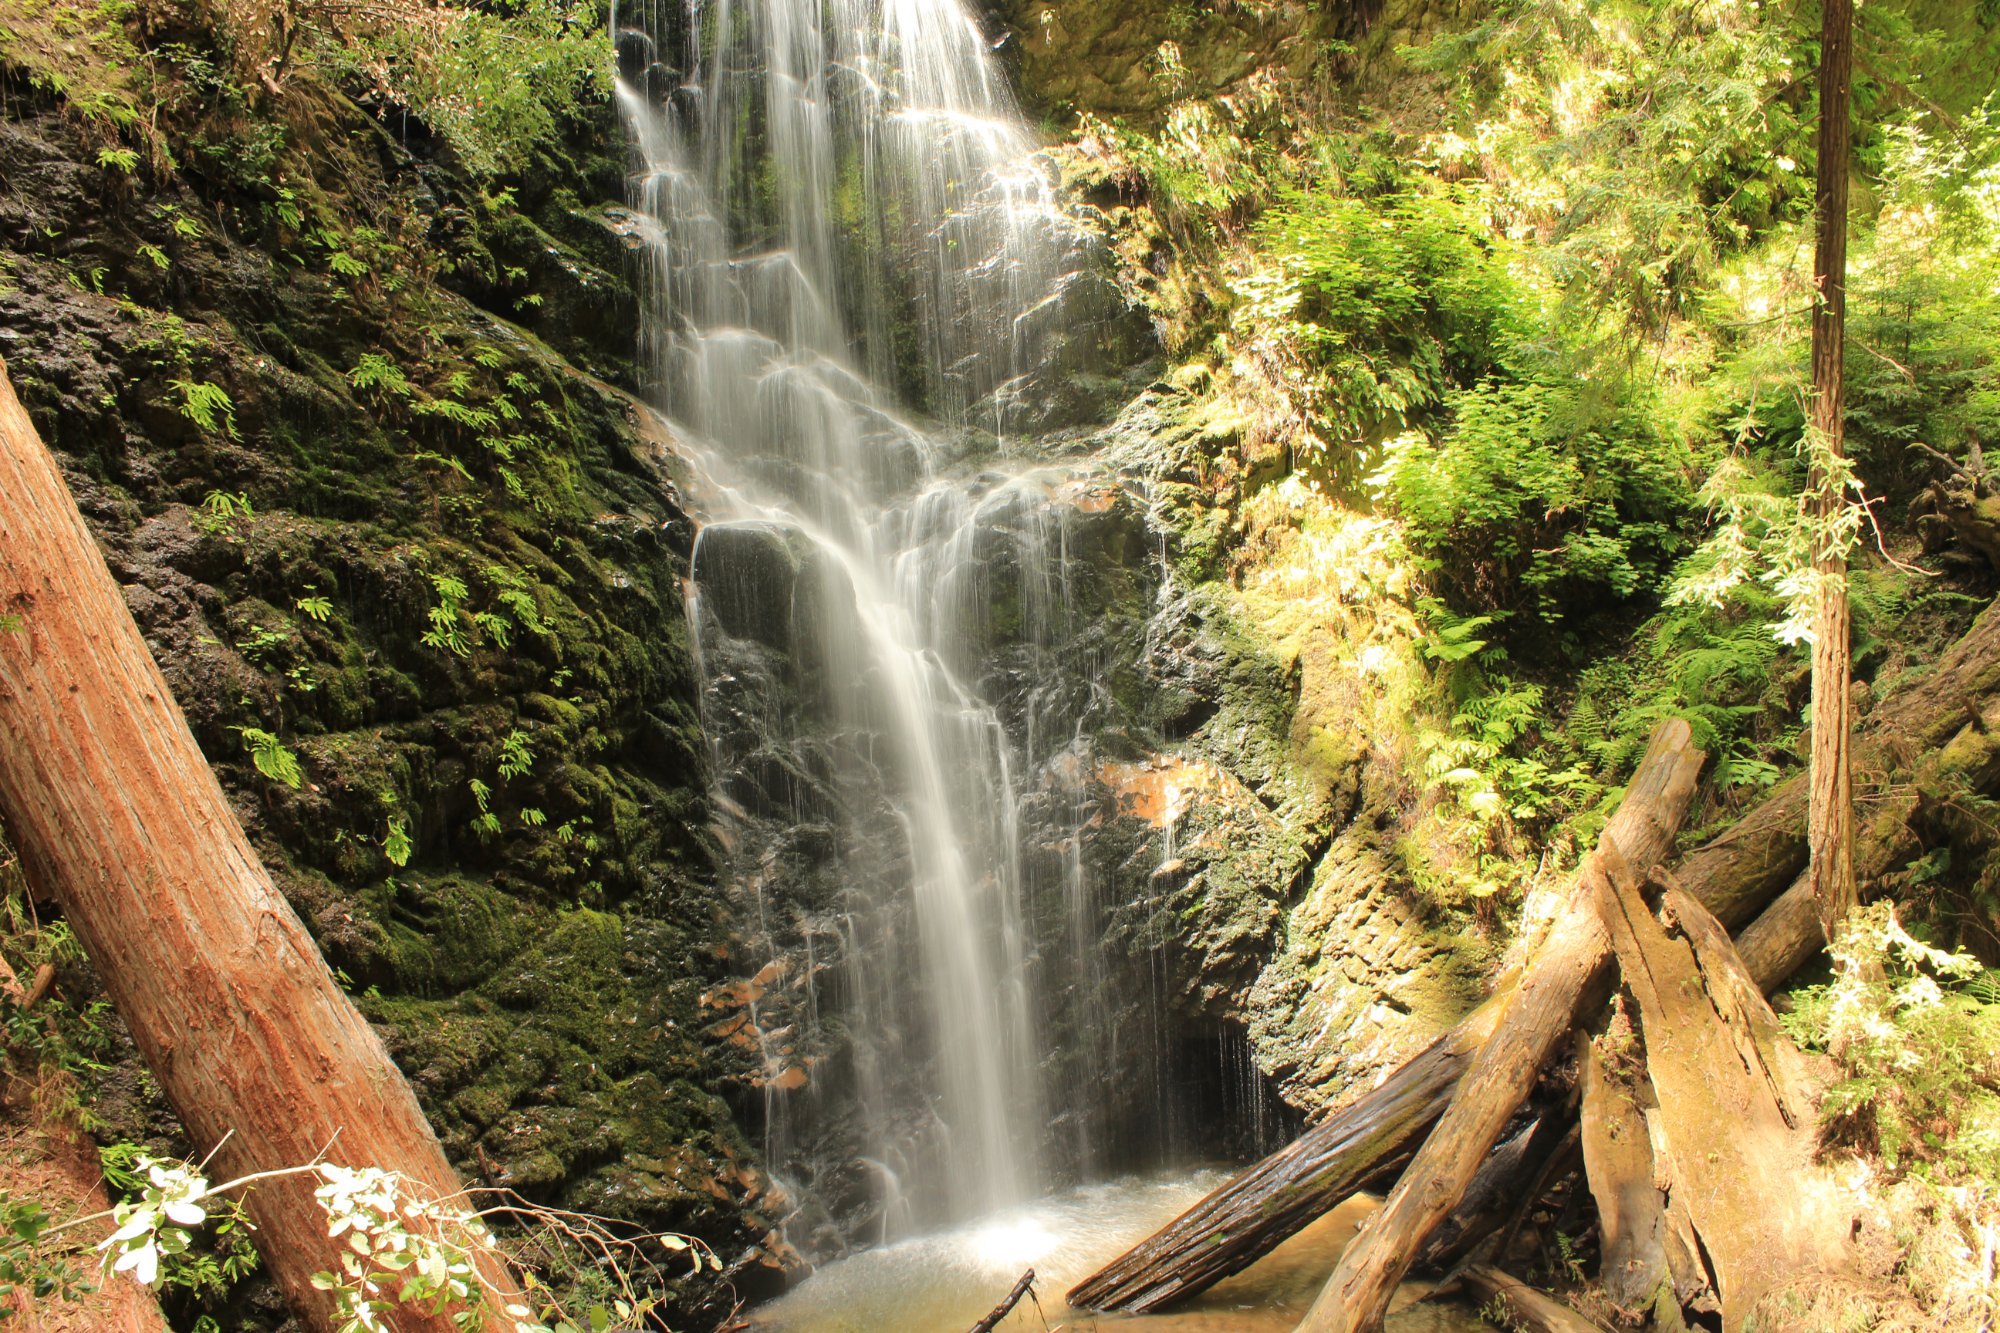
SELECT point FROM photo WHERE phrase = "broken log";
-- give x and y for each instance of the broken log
(1540, 1013)
(1618, 1163)
(1526, 1309)
(1734, 875)
(117, 815)
(1509, 1172)
(1236, 1225)
(1714, 1055)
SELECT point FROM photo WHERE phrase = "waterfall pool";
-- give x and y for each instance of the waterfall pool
(943, 1283)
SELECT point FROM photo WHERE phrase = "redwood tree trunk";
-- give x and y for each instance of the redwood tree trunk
(1830, 823)
(117, 815)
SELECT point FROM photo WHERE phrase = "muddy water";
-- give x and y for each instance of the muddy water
(944, 1282)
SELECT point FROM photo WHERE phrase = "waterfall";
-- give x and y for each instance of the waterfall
(857, 268)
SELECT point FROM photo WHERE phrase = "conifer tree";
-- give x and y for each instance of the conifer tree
(1830, 821)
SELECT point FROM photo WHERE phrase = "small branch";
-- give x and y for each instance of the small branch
(999, 1312)
(45, 977)
(209, 1193)
(1950, 462)
(1901, 369)
(1881, 543)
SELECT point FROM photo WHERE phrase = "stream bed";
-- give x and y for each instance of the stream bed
(943, 1283)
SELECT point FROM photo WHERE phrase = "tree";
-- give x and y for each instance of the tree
(117, 816)
(1830, 820)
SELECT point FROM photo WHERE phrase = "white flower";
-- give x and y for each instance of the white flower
(142, 1262)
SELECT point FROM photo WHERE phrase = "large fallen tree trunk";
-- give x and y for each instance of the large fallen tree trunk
(1946, 726)
(117, 815)
(1756, 1208)
(1569, 966)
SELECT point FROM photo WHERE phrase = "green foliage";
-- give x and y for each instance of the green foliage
(1923, 312)
(1915, 1030)
(1536, 498)
(1380, 305)
(206, 405)
(271, 756)
(1645, 142)
(494, 81)
(396, 842)
(221, 513)
(375, 371)
(515, 756)
(205, 1264)
(1717, 669)
(447, 631)
(24, 1265)
(1197, 166)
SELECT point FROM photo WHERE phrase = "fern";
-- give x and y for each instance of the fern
(206, 405)
(396, 842)
(375, 371)
(515, 756)
(271, 757)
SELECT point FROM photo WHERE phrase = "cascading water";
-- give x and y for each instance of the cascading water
(844, 215)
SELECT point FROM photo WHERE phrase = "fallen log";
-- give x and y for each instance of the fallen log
(1757, 857)
(118, 816)
(1540, 1013)
(1508, 1173)
(1526, 1309)
(1233, 1227)
(1632, 1231)
(1761, 1209)
(1755, 860)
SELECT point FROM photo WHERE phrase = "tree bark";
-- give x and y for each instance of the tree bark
(1761, 1209)
(119, 818)
(1830, 826)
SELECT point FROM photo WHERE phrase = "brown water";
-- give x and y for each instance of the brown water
(943, 1283)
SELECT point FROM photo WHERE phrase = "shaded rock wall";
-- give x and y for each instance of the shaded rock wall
(499, 834)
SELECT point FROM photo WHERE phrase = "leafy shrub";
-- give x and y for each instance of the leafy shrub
(1533, 500)
(1917, 1034)
(1379, 307)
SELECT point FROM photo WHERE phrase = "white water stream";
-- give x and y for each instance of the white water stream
(846, 215)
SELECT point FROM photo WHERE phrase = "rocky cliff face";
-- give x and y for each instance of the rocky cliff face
(350, 431)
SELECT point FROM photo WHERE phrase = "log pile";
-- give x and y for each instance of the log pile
(1692, 1002)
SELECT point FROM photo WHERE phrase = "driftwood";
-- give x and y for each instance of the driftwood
(999, 1312)
(1937, 725)
(1526, 1309)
